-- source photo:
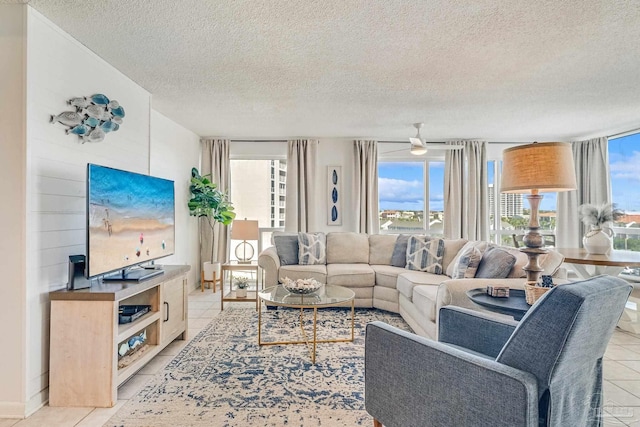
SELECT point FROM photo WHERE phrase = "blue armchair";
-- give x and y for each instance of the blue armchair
(545, 370)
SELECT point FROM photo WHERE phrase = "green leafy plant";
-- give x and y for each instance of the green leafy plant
(209, 202)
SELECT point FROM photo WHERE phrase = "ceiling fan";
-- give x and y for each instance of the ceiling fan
(419, 147)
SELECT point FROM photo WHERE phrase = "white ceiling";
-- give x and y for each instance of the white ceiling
(514, 70)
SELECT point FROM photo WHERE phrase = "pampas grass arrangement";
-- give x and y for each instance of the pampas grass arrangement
(596, 215)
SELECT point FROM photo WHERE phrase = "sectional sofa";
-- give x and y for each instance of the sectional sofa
(363, 263)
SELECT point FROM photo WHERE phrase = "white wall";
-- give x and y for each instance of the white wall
(12, 216)
(174, 151)
(59, 68)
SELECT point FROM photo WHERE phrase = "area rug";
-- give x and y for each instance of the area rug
(223, 378)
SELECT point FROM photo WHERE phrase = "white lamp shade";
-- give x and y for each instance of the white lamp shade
(545, 166)
(245, 230)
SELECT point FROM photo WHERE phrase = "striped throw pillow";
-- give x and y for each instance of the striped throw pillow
(425, 253)
(312, 248)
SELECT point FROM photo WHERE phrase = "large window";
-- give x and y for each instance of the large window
(403, 188)
(624, 158)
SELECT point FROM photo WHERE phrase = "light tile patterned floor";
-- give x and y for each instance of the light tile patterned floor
(621, 373)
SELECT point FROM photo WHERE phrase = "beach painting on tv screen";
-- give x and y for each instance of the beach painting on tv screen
(131, 218)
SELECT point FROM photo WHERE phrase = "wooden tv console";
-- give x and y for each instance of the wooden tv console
(85, 335)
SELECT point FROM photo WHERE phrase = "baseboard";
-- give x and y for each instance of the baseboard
(37, 402)
(12, 410)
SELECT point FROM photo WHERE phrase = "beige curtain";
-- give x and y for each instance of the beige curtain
(301, 178)
(466, 199)
(215, 161)
(366, 186)
(591, 160)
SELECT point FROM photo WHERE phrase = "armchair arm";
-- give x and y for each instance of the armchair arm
(412, 381)
(269, 261)
(474, 330)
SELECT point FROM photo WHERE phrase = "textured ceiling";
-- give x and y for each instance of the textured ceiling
(500, 70)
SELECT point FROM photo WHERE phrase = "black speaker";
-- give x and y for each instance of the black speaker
(76, 273)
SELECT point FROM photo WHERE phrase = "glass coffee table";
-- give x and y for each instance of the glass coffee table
(326, 296)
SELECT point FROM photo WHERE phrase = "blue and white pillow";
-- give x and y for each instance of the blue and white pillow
(467, 263)
(312, 248)
(425, 253)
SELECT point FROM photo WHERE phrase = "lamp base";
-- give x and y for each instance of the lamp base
(244, 252)
(532, 268)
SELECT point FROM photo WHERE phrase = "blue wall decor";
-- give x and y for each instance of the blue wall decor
(334, 196)
(93, 118)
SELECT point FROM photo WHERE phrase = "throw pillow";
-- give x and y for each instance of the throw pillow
(495, 264)
(312, 248)
(467, 263)
(425, 254)
(399, 256)
(287, 248)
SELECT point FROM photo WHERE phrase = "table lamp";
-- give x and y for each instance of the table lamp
(532, 169)
(244, 230)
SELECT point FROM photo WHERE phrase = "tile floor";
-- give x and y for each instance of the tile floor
(621, 374)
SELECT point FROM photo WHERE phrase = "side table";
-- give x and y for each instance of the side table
(228, 290)
(515, 305)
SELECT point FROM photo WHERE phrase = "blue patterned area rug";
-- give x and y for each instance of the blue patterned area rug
(223, 378)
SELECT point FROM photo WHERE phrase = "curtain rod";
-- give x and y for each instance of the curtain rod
(625, 133)
(258, 140)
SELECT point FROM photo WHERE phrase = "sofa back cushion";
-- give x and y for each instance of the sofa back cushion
(347, 248)
(451, 249)
(381, 248)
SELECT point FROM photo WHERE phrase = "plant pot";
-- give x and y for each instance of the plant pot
(241, 293)
(598, 241)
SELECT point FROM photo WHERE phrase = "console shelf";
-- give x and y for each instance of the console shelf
(85, 335)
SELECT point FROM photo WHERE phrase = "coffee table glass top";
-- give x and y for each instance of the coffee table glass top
(327, 295)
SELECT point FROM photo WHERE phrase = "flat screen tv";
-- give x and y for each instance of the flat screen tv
(130, 221)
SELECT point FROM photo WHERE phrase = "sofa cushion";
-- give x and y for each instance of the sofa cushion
(408, 280)
(495, 264)
(467, 264)
(399, 255)
(380, 248)
(482, 245)
(425, 253)
(312, 248)
(287, 248)
(451, 249)
(351, 275)
(387, 275)
(318, 272)
(424, 298)
(347, 248)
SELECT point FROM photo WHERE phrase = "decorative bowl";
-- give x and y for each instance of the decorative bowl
(301, 286)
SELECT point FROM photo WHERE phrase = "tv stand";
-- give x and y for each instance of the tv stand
(131, 275)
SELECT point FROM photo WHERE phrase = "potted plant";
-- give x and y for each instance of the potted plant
(599, 238)
(207, 201)
(242, 283)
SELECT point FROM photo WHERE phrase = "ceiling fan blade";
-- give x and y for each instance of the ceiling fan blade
(430, 146)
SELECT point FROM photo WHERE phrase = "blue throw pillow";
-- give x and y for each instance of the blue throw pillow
(495, 264)
(399, 256)
(287, 248)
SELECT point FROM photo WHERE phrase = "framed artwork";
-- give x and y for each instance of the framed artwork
(334, 196)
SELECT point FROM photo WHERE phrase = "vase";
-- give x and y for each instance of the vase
(598, 241)
(241, 293)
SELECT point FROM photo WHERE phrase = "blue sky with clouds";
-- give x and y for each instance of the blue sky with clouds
(400, 184)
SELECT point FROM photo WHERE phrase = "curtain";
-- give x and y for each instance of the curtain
(466, 200)
(366, 186)
(591, 161)
(301, 177)
(215, 161)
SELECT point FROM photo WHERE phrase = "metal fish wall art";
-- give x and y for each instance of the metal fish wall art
(93, 118)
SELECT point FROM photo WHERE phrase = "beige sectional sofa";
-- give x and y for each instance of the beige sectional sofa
(363, 263)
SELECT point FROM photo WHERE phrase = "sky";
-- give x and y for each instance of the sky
(401, 186)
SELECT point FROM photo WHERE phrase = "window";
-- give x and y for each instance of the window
(403, 187)
(253, 190)
(624, 157)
